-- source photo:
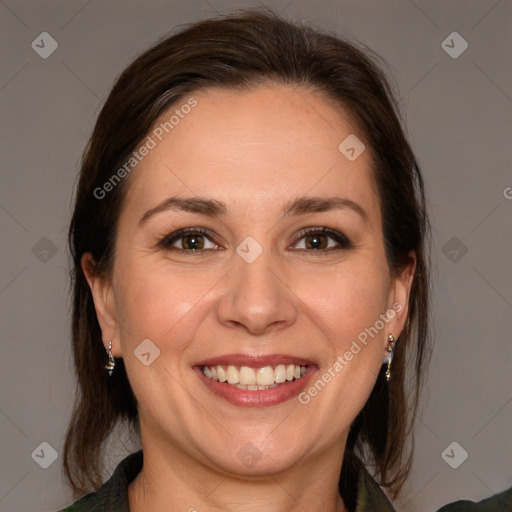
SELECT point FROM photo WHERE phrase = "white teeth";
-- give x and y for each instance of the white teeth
(280, 373)
(265, 376)
(221, 374)
(232, 375)
(254, 379)
(247, 376)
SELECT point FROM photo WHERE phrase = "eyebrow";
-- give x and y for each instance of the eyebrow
(215, 208)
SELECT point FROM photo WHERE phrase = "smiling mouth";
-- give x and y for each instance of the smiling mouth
(255, 379)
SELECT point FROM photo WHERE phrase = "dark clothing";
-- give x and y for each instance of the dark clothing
(112, 496)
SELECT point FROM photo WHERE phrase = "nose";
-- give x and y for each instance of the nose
(257, 297)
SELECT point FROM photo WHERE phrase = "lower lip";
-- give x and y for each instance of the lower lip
(265, 397)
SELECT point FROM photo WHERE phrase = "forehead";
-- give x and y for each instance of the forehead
(253, 148)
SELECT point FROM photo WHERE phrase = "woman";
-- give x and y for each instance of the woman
(250, 251)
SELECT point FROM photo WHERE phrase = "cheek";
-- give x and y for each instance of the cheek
(348, 306)
(156, 303)
(346, 300)
(161, 306)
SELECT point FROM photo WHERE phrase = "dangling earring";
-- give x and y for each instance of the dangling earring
(389, 357)
(111, 361)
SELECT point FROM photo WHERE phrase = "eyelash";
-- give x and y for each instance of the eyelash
(340, 238)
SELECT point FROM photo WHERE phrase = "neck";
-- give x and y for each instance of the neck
(172, 480)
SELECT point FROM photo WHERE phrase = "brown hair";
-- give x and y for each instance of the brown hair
(237, 52)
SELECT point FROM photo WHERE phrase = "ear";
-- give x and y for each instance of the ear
(104, 304)
(399, 296)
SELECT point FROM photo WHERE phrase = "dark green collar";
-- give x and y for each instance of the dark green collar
(370, 496)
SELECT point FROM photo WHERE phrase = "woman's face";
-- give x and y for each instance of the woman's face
(263, 294)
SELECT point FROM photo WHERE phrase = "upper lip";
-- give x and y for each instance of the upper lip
(254, 361)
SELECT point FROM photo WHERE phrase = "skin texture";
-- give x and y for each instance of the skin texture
(255, 151)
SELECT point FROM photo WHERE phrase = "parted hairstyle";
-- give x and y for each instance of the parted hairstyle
(237, 52)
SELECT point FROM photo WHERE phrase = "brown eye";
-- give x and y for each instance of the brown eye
(317, 241)
(193, 242)
(188, 240)
(323, 240)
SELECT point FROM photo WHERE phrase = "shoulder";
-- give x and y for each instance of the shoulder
(371, 498)
(112, 496)
(88, 503)
(501, 502)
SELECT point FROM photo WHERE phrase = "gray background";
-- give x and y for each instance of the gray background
(458, 114)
